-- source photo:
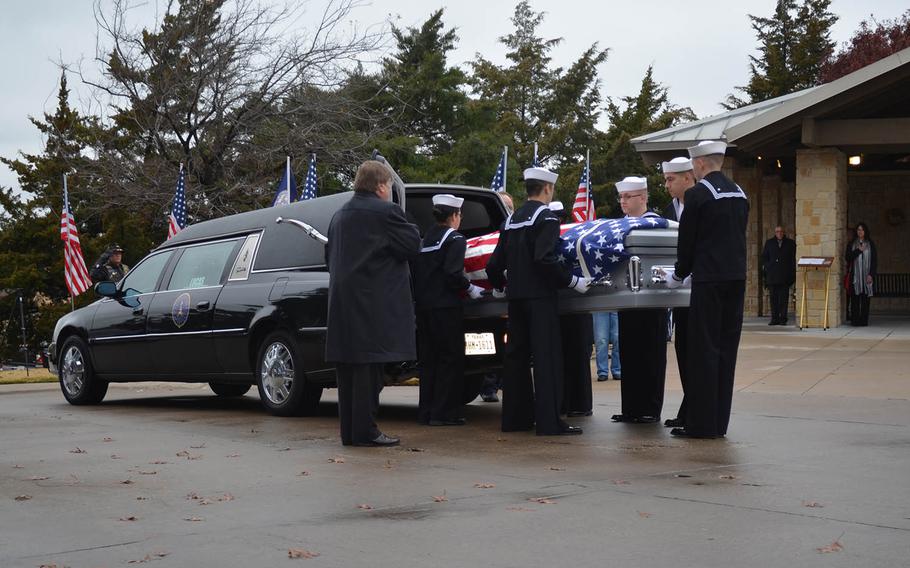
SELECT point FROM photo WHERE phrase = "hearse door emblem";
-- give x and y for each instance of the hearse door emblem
(180, 311)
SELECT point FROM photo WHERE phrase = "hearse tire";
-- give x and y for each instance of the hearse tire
(78, 381)
(279, 375)
(229, 389)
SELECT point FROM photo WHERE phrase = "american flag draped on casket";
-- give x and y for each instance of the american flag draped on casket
(592, 248)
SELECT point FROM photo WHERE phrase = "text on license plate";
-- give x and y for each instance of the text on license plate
(479, 344)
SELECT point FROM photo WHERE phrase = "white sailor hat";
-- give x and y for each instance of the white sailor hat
(676, 165)
(631, 183)
(706, 148)
(556, 206)
(543, 174)
(447, 199)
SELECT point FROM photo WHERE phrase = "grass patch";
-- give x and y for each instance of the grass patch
(41, 375)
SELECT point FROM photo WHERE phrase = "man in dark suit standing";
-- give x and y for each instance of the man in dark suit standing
(371, 312)
(779, 261)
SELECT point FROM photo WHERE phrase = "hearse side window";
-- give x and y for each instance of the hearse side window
(143, 278)
(200, 266)
(477, 213)
(285, 246)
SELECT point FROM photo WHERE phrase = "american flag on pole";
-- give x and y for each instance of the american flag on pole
(74, 270)
(177, 218)
(583, 209)
(592, 248)
(309, 186)
(499, 179)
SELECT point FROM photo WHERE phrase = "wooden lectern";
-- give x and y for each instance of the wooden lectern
(807, 263)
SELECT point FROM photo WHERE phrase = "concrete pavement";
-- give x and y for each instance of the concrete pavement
(813, 473)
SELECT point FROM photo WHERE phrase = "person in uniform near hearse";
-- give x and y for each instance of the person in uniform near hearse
(678, 178)
(109, 267)
(526, 253)
(577, 345)
(712, 248)
(439, 285)
(642, 333)
(370, 309)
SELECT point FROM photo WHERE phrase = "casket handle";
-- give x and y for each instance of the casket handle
(635, 273)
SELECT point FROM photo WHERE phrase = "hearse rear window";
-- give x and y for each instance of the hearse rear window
(477, 214)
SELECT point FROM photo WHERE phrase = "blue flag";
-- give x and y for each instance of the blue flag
(309, 185)
(594, 248)
(287, 189)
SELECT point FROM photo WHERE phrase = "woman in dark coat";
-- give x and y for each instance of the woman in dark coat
(862, 262)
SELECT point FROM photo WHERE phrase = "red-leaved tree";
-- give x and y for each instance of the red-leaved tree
(871, 42)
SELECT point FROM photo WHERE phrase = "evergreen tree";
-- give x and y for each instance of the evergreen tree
(794, 42)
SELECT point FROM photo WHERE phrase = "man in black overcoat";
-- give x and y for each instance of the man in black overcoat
(779, 262)
(371, 318)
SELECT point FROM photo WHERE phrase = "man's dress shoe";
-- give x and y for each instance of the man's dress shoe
(683, 433)
(380, 440)
(674, 423)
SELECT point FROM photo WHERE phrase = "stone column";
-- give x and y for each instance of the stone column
(821, 222)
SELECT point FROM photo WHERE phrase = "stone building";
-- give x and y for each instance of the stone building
(817, 162)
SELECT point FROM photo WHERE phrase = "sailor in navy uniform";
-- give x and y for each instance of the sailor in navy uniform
(526, 250)
(642, 333)
(712, 248)
(577, 345)
(439, 285)
(678, 178)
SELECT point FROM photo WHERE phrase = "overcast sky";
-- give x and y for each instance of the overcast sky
(699, 48)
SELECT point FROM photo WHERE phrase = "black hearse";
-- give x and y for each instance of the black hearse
(242, 300)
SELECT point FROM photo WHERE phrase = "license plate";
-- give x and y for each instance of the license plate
(479, 344)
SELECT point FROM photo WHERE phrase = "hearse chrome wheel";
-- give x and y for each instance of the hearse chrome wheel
(277, 373)
(77, 377)
(72, 371)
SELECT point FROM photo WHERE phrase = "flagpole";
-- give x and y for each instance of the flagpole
(287, 176)
(588, 189)
(535, 164)
(505, 167)
(66, 204)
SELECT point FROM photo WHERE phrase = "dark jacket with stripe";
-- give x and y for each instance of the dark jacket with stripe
(439, 279)
(527, 250)
(712, 231)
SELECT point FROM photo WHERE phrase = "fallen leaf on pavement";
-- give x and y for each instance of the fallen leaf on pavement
(484, 485)
(555, 468)
(416, 450)
(542, 500)
(336, 459)
(147, 472)
(283, 450)
(620, 482)
(106, 439)
(301, 553)
(127, 482)
(183, 454)
(149, 558)
(194, 519)
(197, 457)
(728, 477)
(77, 450)
(815, 504)
(643, 515)
(115, 457)
(303, 473)
(835, 546)
(141, 498)
(38, 478)
(130, 518)
(522, 509)
(192, 495)
(17, 466)
(389, 465)
(158, 462)
(232, 456)
(682, 475)
(440, 498)
(199, 447)
(23, 497)
(365, 506)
